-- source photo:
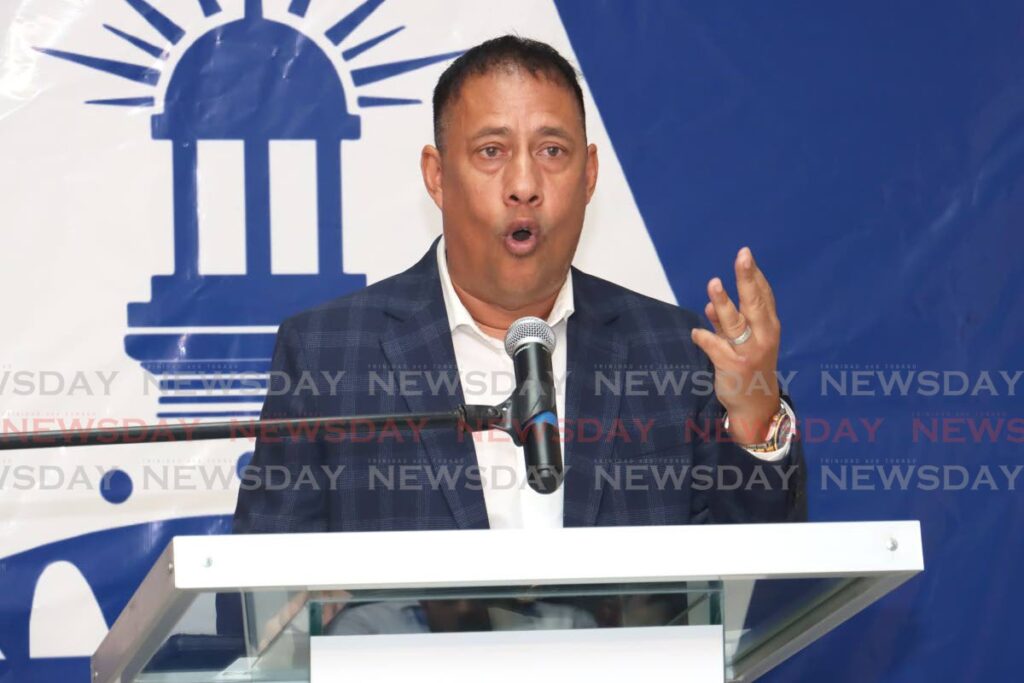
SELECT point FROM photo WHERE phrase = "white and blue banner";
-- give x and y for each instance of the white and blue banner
(178, 176)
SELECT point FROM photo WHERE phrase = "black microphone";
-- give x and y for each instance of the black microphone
(529, 342)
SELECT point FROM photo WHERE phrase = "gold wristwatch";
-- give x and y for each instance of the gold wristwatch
(780, 431)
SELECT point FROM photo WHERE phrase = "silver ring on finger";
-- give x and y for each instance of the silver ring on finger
(742, 339)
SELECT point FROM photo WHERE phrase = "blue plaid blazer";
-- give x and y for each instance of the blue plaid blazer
(338, 359)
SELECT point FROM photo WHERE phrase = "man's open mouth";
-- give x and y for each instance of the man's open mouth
(522, 238)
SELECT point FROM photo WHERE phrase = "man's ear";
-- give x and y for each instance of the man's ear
(430, 166)
(591, 170)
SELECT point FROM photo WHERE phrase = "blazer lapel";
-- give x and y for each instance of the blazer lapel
(592, 345)
(420, 338)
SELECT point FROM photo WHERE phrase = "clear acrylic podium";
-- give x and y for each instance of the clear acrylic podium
(695, 603)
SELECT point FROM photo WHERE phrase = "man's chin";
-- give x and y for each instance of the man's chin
(513, 296)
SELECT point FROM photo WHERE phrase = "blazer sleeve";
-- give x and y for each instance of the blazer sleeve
(742, 488)
(284, 487)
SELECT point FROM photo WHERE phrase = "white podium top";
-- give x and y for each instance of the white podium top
(425, 559)
(810, 577)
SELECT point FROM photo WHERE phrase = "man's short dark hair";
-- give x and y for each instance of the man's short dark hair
(507, 52)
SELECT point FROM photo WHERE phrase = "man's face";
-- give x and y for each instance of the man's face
(512, 183)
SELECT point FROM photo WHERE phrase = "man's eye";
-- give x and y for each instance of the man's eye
(553, 151)
(490, 152)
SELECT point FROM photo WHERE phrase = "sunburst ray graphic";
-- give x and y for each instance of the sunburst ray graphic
(172, 34)
(257, 83)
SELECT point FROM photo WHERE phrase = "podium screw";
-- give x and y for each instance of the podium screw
(892, 544)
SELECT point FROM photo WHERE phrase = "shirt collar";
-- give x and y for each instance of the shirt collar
(458, 316)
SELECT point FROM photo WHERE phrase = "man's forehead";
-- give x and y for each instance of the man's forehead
(479, 89)
(490, 103)
(555, 131)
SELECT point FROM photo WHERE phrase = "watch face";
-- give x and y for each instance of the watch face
(785, 431)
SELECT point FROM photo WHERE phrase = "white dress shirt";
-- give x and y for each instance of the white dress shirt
(488, 377)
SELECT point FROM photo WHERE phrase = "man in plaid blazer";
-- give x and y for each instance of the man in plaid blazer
(512, 173)
(400, 324)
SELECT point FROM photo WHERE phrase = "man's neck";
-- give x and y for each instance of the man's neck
(494, 320)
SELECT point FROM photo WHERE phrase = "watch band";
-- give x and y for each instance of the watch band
(780, 431)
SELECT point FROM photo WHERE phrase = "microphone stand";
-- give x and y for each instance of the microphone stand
(467, 417)
(513, 416)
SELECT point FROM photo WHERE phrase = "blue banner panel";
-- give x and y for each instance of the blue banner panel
(872, 155)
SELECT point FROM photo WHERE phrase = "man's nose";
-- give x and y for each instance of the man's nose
(523, 181)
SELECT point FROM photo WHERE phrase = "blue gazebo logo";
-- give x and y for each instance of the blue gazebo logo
(252, 80)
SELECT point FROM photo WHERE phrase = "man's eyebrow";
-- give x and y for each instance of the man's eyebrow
(492, 130)
(555, 132)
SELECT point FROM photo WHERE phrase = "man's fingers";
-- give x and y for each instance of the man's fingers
(772, 317)
(721, 352)
(755, 300)
(762, 281)
(766, 288)
(709, 311)
(730, 322)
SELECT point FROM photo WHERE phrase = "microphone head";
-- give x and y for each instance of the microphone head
(527, 330)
